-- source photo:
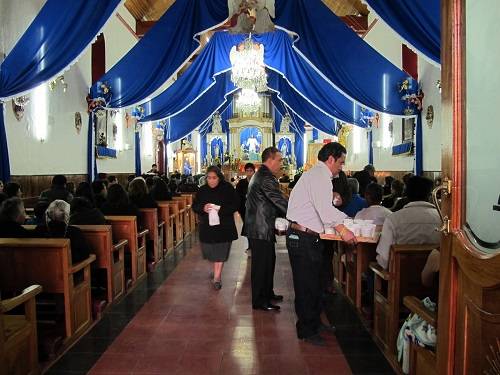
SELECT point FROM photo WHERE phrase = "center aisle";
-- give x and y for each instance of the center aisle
(187, 327)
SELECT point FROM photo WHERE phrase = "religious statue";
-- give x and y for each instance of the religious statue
(187, 169)
(216, 150)
(252, 16)
(217, 123)
(285, 124)
(284, 148)
(253, 144)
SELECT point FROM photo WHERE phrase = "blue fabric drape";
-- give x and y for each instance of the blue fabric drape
(4, 151)
(137, 141)
(161, 52)
(186, 121)
(342, 57)
(417, 22)
(91, 154)
(370, 147)
(54, 40)
(419, 147)
(315, 134)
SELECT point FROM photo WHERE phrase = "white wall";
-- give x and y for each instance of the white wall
(63, 150)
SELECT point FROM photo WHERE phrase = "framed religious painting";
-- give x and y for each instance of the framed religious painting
(408, 127)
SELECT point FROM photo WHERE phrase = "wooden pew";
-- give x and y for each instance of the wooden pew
(18, 335)
(184, 213)
(178, 222)
(125, 227)
(155, 227)
(109, 256)
(358, 259)
(166, 216)
(192, 216)
(47, 262)
(401, 279)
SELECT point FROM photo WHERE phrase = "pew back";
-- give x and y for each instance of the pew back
(125, 227)
(168, 217)
(149, 219)
(47, 262)
(109, 256)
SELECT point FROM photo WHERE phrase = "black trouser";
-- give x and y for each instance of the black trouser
(263, 265)
(306, 257)
(327, 266)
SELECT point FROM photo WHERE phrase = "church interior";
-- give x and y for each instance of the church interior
(116, 115)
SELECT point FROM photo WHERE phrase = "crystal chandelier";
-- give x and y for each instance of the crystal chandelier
(248, 71)
(248, 101)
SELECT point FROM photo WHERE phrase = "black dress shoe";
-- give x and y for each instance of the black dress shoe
(277, 297)
(268, 307)
(316, 340)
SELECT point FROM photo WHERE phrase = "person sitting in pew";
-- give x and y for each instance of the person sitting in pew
(83, 212)
(84, 190)
(160, 190)
(12, 218)
(100, 192)
(188, 185)
(357, 203)
(139, 195)
(430, 273)
(399, 203)
(57, 226)
(414, 224)
(118, 204)
(13, 189)
(397, 188)
(57, 190)
(374, 211)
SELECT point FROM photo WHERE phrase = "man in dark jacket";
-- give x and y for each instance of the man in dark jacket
(57, 190)
(11, 219)
(264, 203)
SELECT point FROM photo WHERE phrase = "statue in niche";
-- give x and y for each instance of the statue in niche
(251, 16)
(217, 123)
(253, 144)
(285, 124)
(187, 169)
(284, 149)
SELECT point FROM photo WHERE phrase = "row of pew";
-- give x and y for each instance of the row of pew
(398, 291)
(42, 267)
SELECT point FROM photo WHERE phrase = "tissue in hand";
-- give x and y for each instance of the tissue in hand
(213, 215)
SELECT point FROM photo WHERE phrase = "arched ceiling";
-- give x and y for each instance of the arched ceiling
(152, 10)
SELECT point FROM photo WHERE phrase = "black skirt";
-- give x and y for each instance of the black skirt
(216, 252)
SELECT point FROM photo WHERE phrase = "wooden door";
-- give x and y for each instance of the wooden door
(469, 298)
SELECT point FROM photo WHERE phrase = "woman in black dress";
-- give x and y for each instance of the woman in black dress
(216, 239)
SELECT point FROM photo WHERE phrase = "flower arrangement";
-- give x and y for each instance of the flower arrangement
(413, 98)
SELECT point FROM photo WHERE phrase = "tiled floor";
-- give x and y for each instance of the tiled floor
(183, 326)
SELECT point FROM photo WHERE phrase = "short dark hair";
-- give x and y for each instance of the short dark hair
(11, 208)
(217, 171)
(59, 180)
(98, 186)
(11, 188)
(334, 149)
(111, 179)
(154, 165)
(374, 193)
(398, 186)
(369, 168)
(269, 153)
(250, 166)
(419, 188)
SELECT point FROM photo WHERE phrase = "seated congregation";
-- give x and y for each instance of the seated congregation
(82, 248)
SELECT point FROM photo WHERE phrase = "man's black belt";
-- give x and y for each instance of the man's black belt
(301, 228)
